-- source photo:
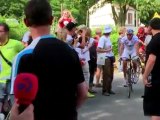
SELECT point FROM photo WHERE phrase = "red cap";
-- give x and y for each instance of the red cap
(25, 88)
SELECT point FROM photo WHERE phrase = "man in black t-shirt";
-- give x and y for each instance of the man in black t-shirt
(151, 79)
(62, 88)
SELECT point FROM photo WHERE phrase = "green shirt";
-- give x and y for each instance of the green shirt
(9, 51)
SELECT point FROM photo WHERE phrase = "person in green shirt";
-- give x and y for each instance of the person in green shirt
(8, 50)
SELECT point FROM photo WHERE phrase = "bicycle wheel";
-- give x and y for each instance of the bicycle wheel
(129, 83)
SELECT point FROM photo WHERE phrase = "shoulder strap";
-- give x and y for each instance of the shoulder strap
(7, 61)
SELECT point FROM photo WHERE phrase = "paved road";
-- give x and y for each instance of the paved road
(115, 107)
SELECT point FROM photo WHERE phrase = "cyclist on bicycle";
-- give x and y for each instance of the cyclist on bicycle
(129, 47)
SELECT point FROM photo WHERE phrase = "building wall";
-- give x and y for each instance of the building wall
(103, 16)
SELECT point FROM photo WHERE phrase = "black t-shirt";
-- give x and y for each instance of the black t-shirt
(154, 48)
(59, 72)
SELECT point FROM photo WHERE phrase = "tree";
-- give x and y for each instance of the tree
(78, 8)
(12, 7)
(146, 9)
(119, 18)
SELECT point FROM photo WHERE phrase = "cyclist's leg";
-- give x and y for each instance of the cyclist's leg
(124, 67)
(125, 56)
(134, 59)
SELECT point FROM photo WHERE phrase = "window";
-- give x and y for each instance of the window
(130, 18)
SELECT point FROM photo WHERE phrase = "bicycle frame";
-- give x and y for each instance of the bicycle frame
(129, 75)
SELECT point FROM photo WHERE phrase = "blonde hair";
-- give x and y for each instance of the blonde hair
(122, 30)
(88, 32)
(69, 13)
(98, 30)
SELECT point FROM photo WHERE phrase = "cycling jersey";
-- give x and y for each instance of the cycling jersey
(129, 44)
(129, 48)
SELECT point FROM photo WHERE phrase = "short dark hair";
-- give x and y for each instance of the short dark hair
(155, 23)
(38, 12)
(70, 26)
(6, 27)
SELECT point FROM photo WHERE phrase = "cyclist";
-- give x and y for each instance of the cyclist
(129, 47)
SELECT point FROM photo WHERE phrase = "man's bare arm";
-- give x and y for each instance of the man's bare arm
(82, 90)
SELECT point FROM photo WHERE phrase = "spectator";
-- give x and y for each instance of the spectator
(62, 22)
(27, 39)
(151, 104)
(9, 49)
(61, 91)
(99, 67)
(107, 60)
(148, 36)
(122, 32)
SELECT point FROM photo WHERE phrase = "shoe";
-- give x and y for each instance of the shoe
(2, 116)
(90, 95)
(92, 91)
(111, 92)
(105, 94)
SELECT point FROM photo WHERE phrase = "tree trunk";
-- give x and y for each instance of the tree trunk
(119, 19)
(115, 16)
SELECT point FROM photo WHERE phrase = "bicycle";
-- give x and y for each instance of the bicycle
(130, 73)
(130, 76)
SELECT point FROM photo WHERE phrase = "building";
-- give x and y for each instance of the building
(101, 15)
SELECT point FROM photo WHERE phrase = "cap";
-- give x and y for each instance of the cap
(107, 29)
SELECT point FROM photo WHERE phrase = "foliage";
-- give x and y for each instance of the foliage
(77, 7)
(16, 29)
(146, 9)
(12, 8)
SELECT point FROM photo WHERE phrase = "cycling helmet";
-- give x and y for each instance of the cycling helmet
(130, 31)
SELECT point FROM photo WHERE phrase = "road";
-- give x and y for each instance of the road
(115, 107)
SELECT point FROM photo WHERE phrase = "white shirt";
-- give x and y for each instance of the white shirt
(105, 43)
(147, 39)
(86, 52)
(26, 37)
(79, 52)
(129, 44)
(69, 39)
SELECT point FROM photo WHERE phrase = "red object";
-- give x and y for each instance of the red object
(96, 40)
(141, 35)
(141, 30)
(25, 88)
(62, 25)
